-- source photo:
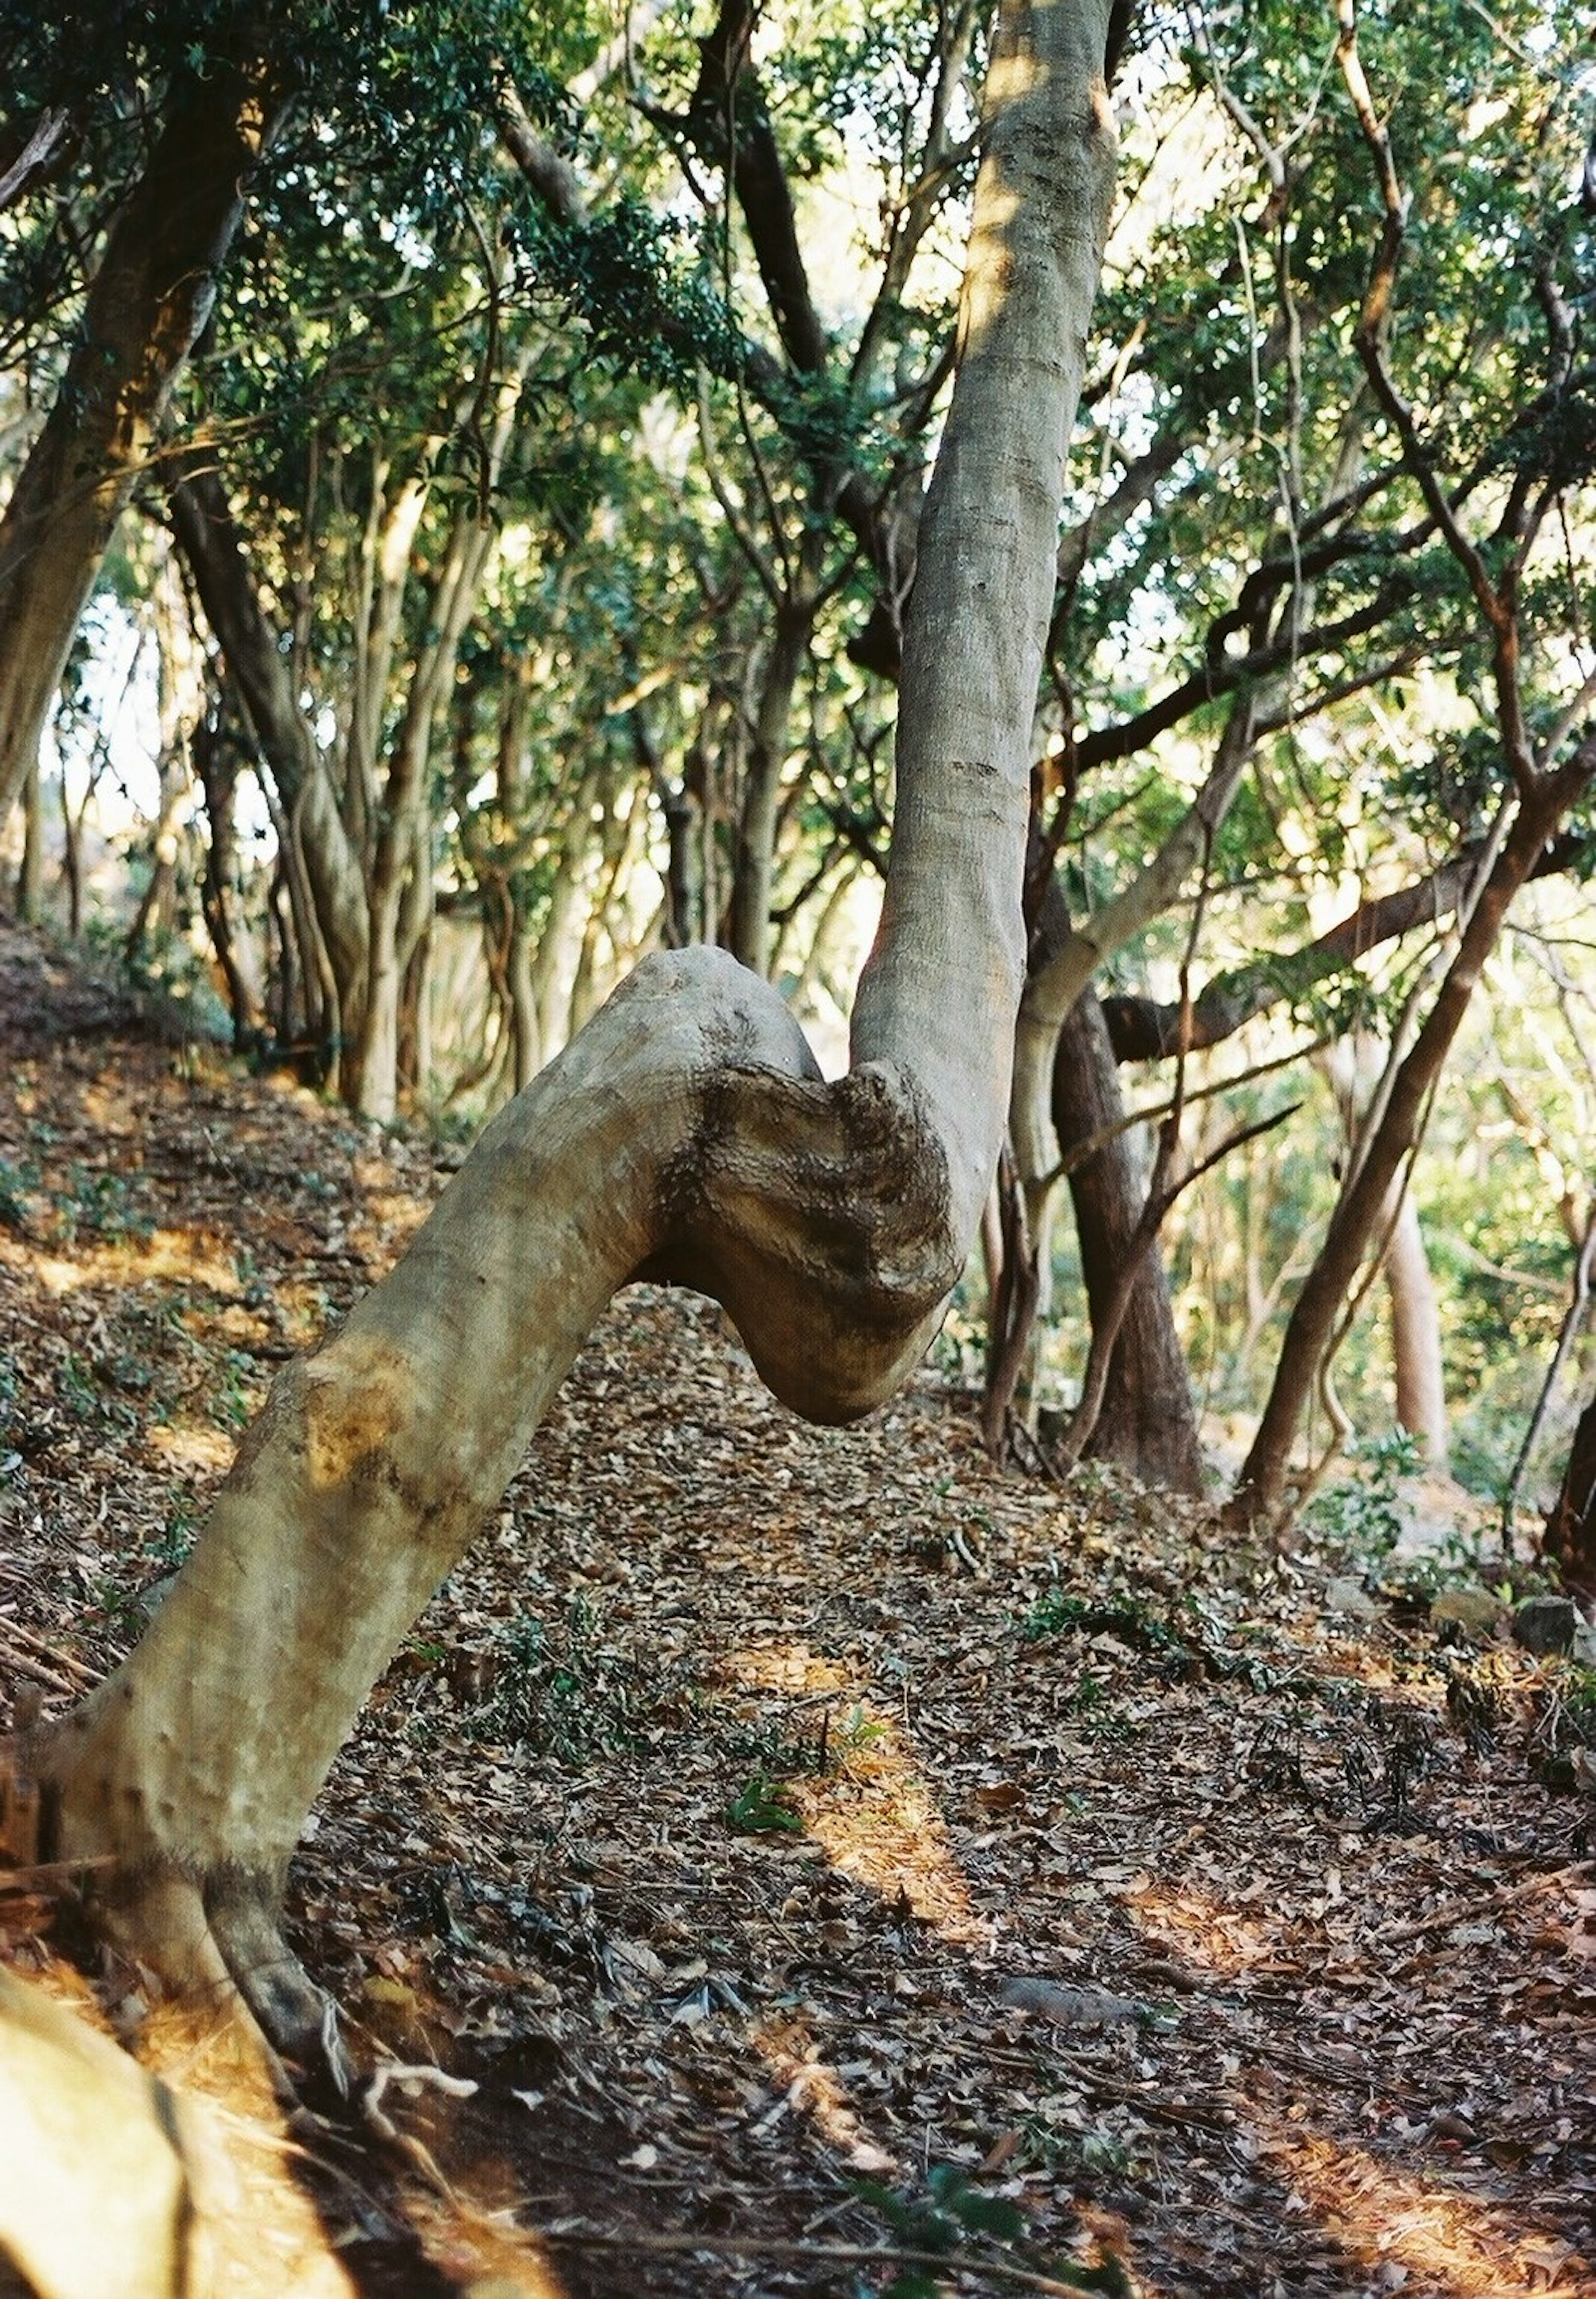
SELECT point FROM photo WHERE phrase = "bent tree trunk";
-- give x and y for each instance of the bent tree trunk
(686, 1135)
(150, 299)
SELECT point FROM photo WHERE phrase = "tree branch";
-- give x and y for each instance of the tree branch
(1144, 1029)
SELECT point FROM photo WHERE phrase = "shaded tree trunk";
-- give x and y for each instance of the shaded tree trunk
(1570, 1535)
(1147, 1424)
(753, 871)
(151, 297)
(686, 1136)
(321, 865)
(218, 762)
(1354, 1065)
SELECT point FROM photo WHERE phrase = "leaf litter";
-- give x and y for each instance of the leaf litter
(817, 1862)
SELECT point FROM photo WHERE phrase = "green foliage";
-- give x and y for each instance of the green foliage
(954, 2218)
(19, 1179)
(1052, 1615)
(564, 1689)
(641, 289)
(1366, 1514)
(759, 1809)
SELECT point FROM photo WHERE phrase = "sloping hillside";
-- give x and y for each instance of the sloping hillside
(804, 1840)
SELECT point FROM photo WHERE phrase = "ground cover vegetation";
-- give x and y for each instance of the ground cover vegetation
(502, 510)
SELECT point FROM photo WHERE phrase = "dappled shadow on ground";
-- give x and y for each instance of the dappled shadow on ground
(770, 1819)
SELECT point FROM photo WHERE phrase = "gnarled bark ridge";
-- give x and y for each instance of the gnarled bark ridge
(685, 1134)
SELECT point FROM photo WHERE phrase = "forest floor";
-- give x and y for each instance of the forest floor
(818, 1848)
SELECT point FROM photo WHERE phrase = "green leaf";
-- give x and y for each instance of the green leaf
(757, 1809)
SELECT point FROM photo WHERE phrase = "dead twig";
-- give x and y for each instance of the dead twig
(1112, 2279)
(1452, 1912)
(52, 1653)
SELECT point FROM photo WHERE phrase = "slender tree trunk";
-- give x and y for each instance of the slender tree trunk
(30, 870)
(323, 868)
(218, 762)
(1354, 1065)
(1260, 1490)
(1570, 1534)
(687, 1135)
(71, 857)
(151, 296)
(1147, 1424)
(754, 865)
(1416, 1338)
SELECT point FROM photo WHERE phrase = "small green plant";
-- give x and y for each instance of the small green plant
(1058, 2147)
(16, 1181)
(100, 1204)
(80, 1391)
(564, 1691)
(954, 2220)
(857, 1731)
(1089, 1697)
(1365, 1513)
(1054, 1615)
(168, 1548)
(234, 1398)
(759, 1809)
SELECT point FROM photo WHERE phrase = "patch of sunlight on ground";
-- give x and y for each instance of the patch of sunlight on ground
(1193, 1924)
(190, 1445)
(874, 1817)
(810, 2088)
(182, 1256)
(1380, 2215)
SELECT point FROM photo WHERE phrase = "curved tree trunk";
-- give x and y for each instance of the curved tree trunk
(1147, 1424)
(151, 297)
(687, 1135)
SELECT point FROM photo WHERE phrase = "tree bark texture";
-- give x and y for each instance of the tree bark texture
(686, 1135)
(1147, 1424)
(150, 299)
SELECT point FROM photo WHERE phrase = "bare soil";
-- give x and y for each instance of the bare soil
(805, 1840)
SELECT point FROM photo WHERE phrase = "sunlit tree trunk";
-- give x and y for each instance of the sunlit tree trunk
(30, 869)
(686, 1135)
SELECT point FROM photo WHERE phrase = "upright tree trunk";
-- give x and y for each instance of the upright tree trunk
(754, 863)
(1354, 1065)
(687, 1135)
(1147, 1422)
(217, 761)
(30, 870)
(151, 296)
(1570, 1534)
(323, 867)
(1416, 1338)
